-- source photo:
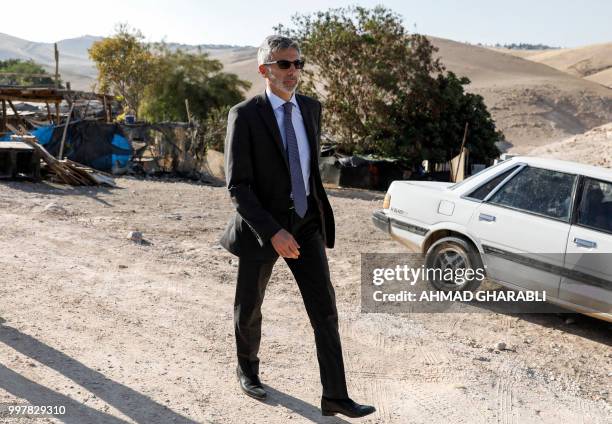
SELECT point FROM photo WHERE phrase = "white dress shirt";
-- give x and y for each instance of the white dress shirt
(300, 131)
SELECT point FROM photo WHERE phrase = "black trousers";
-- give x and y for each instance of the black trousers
(311, 272)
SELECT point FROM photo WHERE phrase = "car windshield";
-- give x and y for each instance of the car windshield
(460, 183)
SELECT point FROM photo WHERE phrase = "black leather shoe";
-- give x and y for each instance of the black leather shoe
(251, 385)
(345, 407)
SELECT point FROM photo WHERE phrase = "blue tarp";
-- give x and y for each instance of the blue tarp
(120, 157)
(44, 134)
(99, 145)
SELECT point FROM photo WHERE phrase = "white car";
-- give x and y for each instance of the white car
(533, 223)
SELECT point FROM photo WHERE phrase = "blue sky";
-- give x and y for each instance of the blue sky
(559, 23)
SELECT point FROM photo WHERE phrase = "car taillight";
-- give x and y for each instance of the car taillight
(387, 201)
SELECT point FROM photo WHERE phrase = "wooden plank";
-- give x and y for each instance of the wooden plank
(64, 171)
(106, 110)
(17, 113)
(61, 150)
(14, 110)
(103, 180)
(48, 112)
(33, 99)
(3, 128)
(43, 94)
(15, 145)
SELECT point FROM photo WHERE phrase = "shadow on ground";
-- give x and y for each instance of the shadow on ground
(138, 407)
(305, 409)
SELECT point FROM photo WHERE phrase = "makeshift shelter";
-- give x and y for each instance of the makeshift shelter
(100, 145)
(360, 171)
(51, 98)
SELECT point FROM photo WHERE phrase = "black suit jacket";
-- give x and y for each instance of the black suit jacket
(258, 179)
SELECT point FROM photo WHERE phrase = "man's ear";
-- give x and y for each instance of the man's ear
(263, 70)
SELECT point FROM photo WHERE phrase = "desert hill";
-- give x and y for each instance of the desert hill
(74, 62)
(583, 61)
(593, 147)
(593, 62)
(531, 102)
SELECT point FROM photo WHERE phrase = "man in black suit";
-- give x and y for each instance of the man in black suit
(272, 173)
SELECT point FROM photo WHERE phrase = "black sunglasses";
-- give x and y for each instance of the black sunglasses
(286, 64)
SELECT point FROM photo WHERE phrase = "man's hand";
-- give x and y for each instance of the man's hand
(285, 245)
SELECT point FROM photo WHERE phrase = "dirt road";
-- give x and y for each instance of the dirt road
(122, 332)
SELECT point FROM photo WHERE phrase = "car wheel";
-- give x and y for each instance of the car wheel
(454, 256)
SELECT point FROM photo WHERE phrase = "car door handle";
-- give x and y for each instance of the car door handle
(585, 243)
(487, 218)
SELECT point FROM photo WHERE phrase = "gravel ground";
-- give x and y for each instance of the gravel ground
(118, 331)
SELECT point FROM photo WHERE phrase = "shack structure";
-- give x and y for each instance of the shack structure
(52, 97)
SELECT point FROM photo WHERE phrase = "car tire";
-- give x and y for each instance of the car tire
(454, 253)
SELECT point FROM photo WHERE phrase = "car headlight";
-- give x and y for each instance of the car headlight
(387, 201)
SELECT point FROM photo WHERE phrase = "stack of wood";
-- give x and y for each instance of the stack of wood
(66, 171)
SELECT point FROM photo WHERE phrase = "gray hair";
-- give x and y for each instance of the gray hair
(274, 43)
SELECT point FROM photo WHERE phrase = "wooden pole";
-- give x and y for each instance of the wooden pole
(61, 150)
(57, 113)
(188, 111)
(109, 112)
(3, 115)
(49, 112)
(17, 115)
(461, 151)
(56, 51)
(104, 103)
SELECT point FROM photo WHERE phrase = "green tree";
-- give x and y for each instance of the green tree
(432, 123)
(124, 64)
(180, 75)
(383, 90)
(22, 71)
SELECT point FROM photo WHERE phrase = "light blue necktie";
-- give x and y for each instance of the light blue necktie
(297, 180)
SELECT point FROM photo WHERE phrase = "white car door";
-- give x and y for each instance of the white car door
(523, 227)
(588, 280)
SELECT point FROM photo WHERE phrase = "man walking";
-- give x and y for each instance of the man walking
(272, 173)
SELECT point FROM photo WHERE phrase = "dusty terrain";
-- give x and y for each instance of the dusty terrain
(593, 147)
(142, 333)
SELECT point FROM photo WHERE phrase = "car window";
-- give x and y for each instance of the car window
(540, 191)
(481, 192)
(595, 210)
